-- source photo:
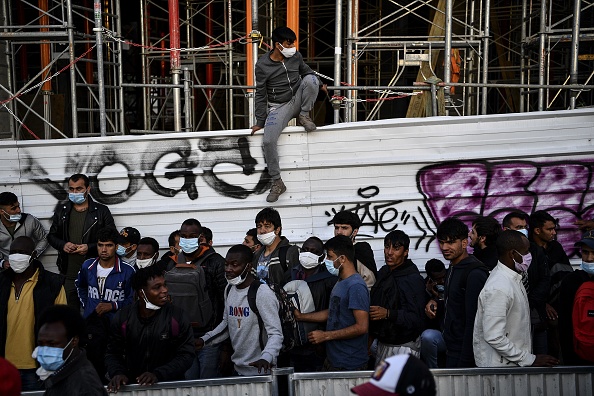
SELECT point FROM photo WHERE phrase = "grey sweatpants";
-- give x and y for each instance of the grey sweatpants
(280, 115)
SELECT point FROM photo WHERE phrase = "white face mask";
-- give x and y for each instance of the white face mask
(149, 305)
(309, 260)
(238, 280)
(146, 262)
(287, 52)
(19, 262)
(267, 239)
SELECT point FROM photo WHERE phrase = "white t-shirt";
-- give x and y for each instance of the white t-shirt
(101, 276)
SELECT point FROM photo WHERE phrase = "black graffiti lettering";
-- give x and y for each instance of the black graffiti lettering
(368, 192)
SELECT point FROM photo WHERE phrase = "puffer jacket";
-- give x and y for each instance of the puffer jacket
(29, 226)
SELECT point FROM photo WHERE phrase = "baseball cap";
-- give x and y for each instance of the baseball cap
(129, 234)
(587, 239)
(399, 375)
(10, 379)
(346, 217)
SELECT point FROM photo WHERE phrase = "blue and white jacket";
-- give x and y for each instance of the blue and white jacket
(117, 290)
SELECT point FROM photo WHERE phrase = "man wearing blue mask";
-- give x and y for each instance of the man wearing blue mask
(201, 267)
(285, 88)
(127, 245)
(65, 368)
(26, 289)
(570, 311)
(14, 223)
(500, 338)
(73, 232)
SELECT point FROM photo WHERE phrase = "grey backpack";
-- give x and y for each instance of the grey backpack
(188, 290)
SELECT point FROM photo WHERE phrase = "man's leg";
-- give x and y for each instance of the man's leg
(306, 96)
(432, 344)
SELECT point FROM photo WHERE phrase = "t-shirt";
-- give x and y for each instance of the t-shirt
(263, 263)
(347, 295)
(102, 276)
(75, 234)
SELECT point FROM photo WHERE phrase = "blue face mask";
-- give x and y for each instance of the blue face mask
(524, 231)
(121, 251)
(188, 245)
(330, 267)
(14, 218)
(440, 288)
(77, 198)
(52, 358)
(588, 267)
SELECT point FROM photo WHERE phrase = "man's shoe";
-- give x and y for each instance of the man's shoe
(278, 187)
(307, 123)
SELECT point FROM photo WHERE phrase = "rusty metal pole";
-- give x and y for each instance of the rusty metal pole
(174, 42)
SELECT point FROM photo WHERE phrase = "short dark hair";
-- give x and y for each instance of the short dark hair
(243, 251)
(108, 234)
(347, 217)
(434, 266)
(207, 232)
(143, 275)
(451, 229)
(283, 33)
(150, 241)
(539, 218)
(271, 215)
(68, 316)
(488, 227)
(77, 176)
(24, 243)
(192, 222)
(341, 245)
(8, 198)
(253, 233)
(397, 238)
(509, 240)
(172, 236)
(516, 214)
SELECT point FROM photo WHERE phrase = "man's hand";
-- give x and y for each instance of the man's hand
(82, 249)
(261, 364)
(5, 264)
(378, 313)
(551, 313)
(431, 309)
(146, 378)
(430, 287)
(199, 344)
(317, 337)
(69, 248)
(103, 308)
(585, 225)
(116, 382)
(297, 314)
(255, 128)
(545, 361)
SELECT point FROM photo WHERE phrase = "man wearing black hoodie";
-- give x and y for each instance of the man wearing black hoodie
(465, 279)
(483, 234)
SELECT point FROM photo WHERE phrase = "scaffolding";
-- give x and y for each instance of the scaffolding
(82, 69)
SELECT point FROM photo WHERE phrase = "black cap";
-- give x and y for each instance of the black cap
(129, 234)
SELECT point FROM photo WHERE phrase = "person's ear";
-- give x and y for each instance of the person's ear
(355, 232)
(74, 342)
(464, 243)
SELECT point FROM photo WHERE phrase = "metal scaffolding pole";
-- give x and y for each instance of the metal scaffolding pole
(174, 43)
(100, 74)
(542, 58)
(486, 33)
(337, 54)
(523, 53)
(575, 47)
(350, 58)
(72, 69)
(447, 62)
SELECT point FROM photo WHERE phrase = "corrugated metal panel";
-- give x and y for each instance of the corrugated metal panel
(385, 170)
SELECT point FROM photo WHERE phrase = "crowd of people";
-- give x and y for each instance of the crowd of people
(118, 313)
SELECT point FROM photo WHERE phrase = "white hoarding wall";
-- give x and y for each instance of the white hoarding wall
(407, 174)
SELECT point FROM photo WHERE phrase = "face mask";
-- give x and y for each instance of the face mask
(188, 245)
(523, 231)
(588, 267)
(15, 218)
(525, 263)
(77, 198)
(440, 288)
(19, 262)
(146, 262)
(51, 358)
(267, 239)
(309, 260)
(149, 305)
(121, 250)
(287, 52)
(330, 266)
(238, 279)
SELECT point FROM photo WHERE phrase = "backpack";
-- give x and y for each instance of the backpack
(188, 291)
(469, 269)
(285, 312)
(299, 294)
(583, 321)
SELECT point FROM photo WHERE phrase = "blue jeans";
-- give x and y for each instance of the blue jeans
(432, 344)
(205, 364)
(29, 380)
